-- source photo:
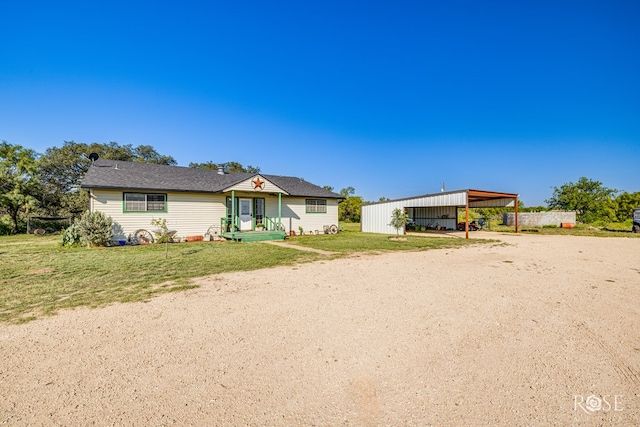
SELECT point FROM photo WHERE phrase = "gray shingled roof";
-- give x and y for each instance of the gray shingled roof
(115, 174)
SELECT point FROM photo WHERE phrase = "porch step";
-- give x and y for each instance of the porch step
(254, 236)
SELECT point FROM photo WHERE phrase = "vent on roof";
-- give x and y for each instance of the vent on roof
(220, 169)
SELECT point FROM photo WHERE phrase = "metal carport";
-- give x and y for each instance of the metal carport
(376, 216)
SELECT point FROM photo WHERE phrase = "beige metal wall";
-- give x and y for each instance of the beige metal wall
(376, 217)
(426, 210)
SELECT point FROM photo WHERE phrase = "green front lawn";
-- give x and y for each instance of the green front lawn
(39, 277)
(609, 230)
(356, 241)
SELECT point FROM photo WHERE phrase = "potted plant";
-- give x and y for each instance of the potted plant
(301, 230)
(260, 226)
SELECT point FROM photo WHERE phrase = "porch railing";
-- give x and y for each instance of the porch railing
(270, 224)
(225, 224)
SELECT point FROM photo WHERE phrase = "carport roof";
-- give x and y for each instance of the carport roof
(480, 195)
(474, 196)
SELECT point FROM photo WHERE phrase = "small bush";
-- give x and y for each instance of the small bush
(162, 233)
(95, 228)
(5, 226)
(71, 237)
(398, 219)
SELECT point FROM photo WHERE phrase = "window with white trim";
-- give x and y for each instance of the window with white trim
(141, 202)
(316, 206)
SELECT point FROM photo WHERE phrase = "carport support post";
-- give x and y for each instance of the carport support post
(466, 218)
(516, 202)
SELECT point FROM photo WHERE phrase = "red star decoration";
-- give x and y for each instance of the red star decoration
(258, 183)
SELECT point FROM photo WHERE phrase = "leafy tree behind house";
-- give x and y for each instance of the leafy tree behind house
(347, 192)
(591, 200)
(624, 205)
(61, 170)
(18, 181)
(228, 167)
(350, 208)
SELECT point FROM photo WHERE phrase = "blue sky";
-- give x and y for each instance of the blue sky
(391, 98)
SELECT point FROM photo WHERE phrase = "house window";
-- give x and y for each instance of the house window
(141, 202)
(316, 206)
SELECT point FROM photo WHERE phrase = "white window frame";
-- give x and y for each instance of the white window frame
(315, 205)
(146, 202)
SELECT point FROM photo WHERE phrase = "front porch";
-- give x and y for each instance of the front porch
(253, 236)
(246, 219)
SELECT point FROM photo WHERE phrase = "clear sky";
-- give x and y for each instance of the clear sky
(389, 97)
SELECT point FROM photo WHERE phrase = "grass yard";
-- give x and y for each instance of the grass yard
(611, 230)
(40, 277)
(352, 240)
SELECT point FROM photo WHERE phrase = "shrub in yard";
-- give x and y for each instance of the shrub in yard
(71, 237)
(95, 228)
(5, 226)
(162, 232)
(398, 219)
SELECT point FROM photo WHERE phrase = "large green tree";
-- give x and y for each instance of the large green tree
(18, 181)
(347, 192)
(350, 208)
(62, 168)
(624, 205)
(591, 200)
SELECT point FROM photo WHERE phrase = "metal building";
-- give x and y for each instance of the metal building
(431, 209)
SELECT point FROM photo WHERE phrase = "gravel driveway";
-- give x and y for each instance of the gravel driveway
(538, 330)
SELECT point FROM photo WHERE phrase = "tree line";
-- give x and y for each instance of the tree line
(593, 202)
(48, 184)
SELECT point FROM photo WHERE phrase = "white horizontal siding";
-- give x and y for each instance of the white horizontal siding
(187, 213)
(193, 213)
(294, 214)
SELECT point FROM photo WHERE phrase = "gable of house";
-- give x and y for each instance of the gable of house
(256, 183)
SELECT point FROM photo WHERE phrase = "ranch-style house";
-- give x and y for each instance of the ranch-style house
(239, 206)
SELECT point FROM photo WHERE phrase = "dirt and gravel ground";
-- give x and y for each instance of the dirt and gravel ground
(539, 330)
